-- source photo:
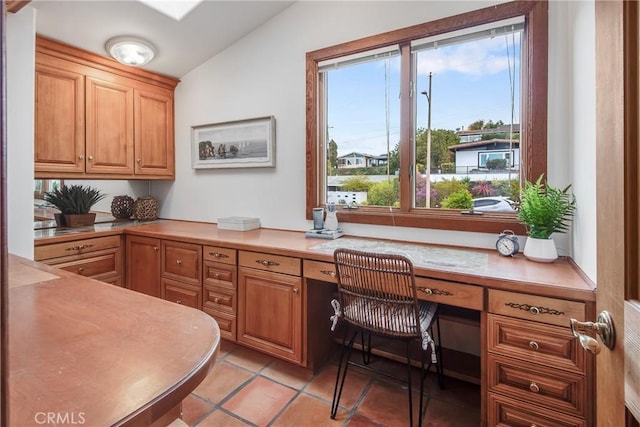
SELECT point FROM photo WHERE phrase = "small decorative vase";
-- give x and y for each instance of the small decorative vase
(122, 207)
(145, 209)
(540, 250)
(331, 221)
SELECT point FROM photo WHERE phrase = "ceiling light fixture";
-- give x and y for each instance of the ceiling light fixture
(129, 50)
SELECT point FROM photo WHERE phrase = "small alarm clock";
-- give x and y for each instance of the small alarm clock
(507, 244)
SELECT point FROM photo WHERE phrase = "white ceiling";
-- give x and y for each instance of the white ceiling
(181, 46)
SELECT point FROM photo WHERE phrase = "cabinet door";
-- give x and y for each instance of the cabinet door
(109, 127)
(270, 313)
(154, 137)
(143, 265)
(59, 118)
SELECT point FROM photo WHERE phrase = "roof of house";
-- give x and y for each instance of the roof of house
(484, 143)
(499, 129)
(356, 154)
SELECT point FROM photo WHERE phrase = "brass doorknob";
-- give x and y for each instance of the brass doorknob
(603, 327)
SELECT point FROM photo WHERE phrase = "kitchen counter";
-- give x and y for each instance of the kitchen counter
(86, 352)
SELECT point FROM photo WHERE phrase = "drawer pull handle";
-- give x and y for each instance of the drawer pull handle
(328, 273)
(218, 255)
(79, 247)
(534, 387)
(430, 291)
(267, 263)
(178, 261)
(534, 345)
(533, 309)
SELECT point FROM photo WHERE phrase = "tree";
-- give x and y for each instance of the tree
(441, 140)
(384, 193)
(477, 125)
(356, 183)
(332, 155)
(394, 159)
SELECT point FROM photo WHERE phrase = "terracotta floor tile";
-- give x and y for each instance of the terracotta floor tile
(455, 391)
(259, 401)
(288, 374)
(219, 418)
(194, 408)
(323, 384)
(309, 411)
(387, 403)
(444, 414)
(249, 359)
(226, 347)
(359, 421)
(222, 379)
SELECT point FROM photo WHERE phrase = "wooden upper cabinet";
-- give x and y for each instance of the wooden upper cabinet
(109, 127)
(59, 117)
(96, 118)
(154, 135)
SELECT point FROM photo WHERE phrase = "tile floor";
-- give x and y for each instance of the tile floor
(247, 388)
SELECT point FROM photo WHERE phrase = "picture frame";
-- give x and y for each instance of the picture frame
(246, 143)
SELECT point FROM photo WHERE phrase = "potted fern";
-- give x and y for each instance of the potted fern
(544, 210)
(74, 203)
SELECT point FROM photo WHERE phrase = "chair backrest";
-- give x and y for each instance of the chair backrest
(378, 292)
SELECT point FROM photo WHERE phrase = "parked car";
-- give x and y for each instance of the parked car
(493, 204)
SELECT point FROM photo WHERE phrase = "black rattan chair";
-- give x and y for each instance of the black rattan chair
(377, 296)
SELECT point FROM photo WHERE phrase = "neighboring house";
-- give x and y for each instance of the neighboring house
(477, 134)
(473, 156)
(361, 160)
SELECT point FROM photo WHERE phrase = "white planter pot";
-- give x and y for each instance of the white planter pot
(540, 250)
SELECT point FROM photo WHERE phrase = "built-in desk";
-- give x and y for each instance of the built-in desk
(88, 353)
(531, 368)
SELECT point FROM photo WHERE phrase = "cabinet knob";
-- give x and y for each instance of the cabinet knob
(533, 345)
(296, 291)
(80, 269)
(139, 160)
(90, 157)
(178, 261)
(179, 302)
(155, 248)
(216, 299)
(534, 387)
(216, 275)
(81, 157)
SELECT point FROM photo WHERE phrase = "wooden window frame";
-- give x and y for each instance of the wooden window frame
(533, 134)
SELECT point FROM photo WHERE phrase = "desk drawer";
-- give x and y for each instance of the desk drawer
(220, 299)
(505, 412)
(552, 388)
(181, 294)
(530, 341)
(222, 275)
(226, 322)
(75, 247)
(97, 265)
(269, 262)
(450, 293)
(182, 261)
(218, 254)
(531, 307)
(323, 271)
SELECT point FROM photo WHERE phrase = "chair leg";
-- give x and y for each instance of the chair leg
(422, 377)
(366, 350)
(342, 373)
(409, 387)
(439, 365)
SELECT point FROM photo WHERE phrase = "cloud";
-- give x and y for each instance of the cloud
(481, 57)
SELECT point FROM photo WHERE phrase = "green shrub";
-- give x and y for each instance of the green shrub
(459, 200)
(383, 193)
(356, 183)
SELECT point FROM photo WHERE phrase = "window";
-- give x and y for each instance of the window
(400, 119)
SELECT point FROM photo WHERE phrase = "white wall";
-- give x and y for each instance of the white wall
(20, 74)
(264, 74)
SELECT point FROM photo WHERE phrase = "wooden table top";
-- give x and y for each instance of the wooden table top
(98, 354)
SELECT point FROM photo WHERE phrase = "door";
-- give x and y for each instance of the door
(617, 124)
(143, 265)
(154, 139)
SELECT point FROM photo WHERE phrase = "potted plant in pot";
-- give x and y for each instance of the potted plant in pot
(544, 210)
(74, 203)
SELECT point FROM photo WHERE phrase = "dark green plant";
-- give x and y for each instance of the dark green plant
(74, 199)
(545, 210)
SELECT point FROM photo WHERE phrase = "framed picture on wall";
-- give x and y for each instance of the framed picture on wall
(239, 144)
